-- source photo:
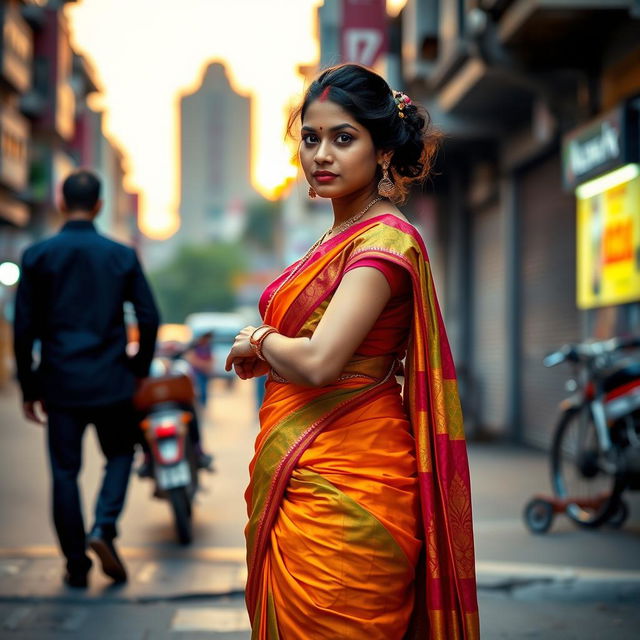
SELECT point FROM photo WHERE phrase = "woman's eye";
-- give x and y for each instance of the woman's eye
(344, 138)
(309, 138)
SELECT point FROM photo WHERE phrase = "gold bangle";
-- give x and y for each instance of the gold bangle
(256, 344)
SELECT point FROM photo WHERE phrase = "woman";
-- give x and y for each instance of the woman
(359, 503)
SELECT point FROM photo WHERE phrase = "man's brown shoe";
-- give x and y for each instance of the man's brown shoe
(104, 548)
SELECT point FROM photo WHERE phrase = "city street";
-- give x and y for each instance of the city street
(447, 178)
(566, 584)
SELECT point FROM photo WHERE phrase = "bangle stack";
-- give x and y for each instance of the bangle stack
(256, 343)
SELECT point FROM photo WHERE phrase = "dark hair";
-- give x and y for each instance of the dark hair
(81, 190)
(370, 100)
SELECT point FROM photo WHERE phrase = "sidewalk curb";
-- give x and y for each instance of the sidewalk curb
(90, 600)
(496, 576)
(229, 579)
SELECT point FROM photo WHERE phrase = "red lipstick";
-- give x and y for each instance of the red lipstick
(324, 176)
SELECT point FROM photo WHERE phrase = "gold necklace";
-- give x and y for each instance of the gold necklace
(345, 225)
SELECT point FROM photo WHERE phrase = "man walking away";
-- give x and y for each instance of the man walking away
(70, 298)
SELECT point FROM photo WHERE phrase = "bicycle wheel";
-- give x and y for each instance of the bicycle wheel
(581, 472)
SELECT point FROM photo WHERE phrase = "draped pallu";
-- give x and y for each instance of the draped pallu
(359, 501)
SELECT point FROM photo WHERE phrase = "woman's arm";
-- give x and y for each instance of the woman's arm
(319, 360)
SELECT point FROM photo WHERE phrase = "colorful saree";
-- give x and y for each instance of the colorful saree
(359, 501)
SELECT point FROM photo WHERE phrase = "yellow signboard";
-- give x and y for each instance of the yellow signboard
(608, 235)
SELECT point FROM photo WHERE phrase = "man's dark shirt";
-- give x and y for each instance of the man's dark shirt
(70, 297)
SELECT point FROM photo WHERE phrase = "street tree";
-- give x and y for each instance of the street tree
(199, 278)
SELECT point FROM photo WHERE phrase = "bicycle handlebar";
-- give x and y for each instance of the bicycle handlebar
(585, 351)
(554, 359)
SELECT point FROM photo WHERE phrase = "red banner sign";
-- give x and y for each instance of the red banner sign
(364, 31)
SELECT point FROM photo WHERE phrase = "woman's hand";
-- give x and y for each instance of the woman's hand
(247, 368)
(241, 347)
(243, 359)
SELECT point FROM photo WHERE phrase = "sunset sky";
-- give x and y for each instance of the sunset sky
(148, 53)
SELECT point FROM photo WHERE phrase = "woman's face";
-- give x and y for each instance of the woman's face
(336, 152)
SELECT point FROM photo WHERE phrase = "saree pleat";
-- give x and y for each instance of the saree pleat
(359, 501)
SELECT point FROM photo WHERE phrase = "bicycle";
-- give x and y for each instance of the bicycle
(595, 454)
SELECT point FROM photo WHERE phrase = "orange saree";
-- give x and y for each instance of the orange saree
(359, 500)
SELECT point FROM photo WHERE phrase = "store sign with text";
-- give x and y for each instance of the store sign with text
(608, 142)
(608, 251)
(364, 31)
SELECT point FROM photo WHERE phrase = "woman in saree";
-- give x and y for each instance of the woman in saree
(359, 498)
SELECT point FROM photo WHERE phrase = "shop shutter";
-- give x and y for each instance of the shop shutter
(549, 316)
(488, 338)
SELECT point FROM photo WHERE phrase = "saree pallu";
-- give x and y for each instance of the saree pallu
(359, 500)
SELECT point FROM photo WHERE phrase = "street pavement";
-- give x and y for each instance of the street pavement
(569, 583)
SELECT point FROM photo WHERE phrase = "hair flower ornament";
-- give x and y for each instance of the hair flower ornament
(401, 100)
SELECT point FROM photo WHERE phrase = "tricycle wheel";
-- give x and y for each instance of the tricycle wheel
(538, 515)
(619, 516)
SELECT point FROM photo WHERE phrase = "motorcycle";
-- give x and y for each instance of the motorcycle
(595, 455)
(166, 400)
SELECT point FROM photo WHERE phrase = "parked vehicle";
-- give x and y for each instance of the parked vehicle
(225, 327)
(172, 339)
(595, 455)
(166, 400)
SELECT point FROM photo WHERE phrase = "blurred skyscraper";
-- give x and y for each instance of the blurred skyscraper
(215, 160)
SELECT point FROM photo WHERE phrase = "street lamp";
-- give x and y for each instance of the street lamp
(9, 274)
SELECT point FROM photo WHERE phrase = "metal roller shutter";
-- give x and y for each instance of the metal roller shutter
(489, 329)
(549, 315)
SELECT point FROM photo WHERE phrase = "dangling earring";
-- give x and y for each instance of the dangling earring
(386, 188)
(312, 193)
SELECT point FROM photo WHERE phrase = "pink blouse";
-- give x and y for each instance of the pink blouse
(389, 333)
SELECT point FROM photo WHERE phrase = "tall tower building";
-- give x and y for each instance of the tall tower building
(215, 151)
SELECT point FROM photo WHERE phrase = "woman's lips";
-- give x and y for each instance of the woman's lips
(325, 177)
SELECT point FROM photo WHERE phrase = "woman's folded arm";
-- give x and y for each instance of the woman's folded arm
(358, 301)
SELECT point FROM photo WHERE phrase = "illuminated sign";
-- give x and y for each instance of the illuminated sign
(608, 237)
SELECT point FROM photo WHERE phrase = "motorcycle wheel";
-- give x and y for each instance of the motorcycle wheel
(579, 470)
(181, 505)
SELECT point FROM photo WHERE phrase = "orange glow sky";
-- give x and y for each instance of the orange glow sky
(148, 53)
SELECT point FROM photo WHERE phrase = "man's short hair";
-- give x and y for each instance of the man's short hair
(81, 190)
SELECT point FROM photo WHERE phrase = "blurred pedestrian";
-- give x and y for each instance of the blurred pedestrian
(70, 298)
(260, 391)
(200, 356)
(359, 501)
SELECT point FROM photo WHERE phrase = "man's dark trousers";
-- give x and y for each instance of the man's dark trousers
(116, 428)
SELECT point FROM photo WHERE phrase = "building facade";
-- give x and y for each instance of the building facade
(16, 58)
(47, 129)
(513, 85)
